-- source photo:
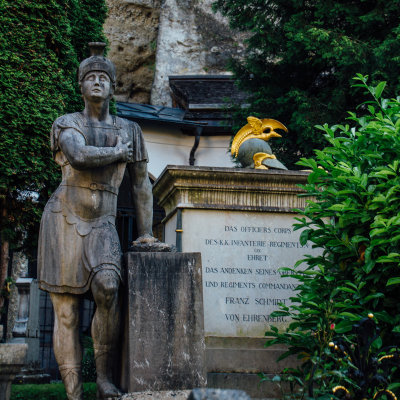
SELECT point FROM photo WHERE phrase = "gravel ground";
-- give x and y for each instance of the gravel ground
(162, 395)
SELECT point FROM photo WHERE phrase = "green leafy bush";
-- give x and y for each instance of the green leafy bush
(54, 391)
(354, 218)
(88, 362)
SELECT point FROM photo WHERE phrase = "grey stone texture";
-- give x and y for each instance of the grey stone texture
(236, 189)
(192, 39)
(159, 395)
(185, 36)
(250, 383)
(233, 362)
(26, 327)
(19, 268)
(245, 355)
(163, 345)
(218, 394)
(131, 29)
(12, 359)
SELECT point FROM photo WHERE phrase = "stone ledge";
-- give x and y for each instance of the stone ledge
(229, 189)
(250, 383)
(159, 395)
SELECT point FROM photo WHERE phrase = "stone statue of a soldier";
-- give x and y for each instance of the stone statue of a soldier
(79, 249)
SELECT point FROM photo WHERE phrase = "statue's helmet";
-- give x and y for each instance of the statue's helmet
(97, 62)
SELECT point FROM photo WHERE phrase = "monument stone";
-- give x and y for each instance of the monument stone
(240, 220)
(163, 334)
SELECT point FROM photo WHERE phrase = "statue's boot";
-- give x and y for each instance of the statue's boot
(104, 356)
(71, 376)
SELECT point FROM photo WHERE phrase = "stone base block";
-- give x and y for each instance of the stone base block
(163, 346)
(12, 359)
(161, 395)
(250, 383)
(245, 355)
(218, 394)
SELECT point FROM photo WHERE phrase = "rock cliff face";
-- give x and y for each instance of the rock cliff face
(132, 28)
(191, 40)
(157, 38)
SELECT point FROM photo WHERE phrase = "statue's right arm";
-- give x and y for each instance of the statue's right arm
(82, 156)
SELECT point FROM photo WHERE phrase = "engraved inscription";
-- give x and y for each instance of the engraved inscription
(241, 256)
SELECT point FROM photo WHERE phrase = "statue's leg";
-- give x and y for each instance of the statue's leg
(105, 330)
(67, 347)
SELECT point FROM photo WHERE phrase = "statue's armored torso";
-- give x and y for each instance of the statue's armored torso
(92, 193)
(77, 233)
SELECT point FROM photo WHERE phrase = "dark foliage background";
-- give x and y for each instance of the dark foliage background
(41, 44)
(301, 57)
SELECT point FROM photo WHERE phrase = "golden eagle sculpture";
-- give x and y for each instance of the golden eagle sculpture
(250, 145)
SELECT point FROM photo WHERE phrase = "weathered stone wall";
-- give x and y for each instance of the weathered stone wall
(192, 39)
(163, 338)
(157, 38)
(131, 29)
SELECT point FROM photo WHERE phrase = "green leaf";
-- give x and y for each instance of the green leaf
(377, 343)
(346, 289)
(344, 326)
(353, 317)
(394, 386)
(379, 89)
(393, 281)
(373, 296)
(304, 236)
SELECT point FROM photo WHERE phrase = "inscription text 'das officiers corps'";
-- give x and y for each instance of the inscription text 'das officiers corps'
(242, 275)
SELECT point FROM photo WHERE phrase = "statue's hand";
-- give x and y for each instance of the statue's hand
(124, 149)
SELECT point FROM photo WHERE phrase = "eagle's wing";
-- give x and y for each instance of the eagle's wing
(256, 124)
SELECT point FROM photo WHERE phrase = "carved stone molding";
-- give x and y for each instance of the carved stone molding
(229, 188)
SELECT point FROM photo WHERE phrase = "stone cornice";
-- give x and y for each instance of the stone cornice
(229, 189)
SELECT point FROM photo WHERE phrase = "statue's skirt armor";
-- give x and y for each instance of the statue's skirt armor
(77, 233)
(78, 248)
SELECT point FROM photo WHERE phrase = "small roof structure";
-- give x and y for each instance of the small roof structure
(166, 115)
(207, 99)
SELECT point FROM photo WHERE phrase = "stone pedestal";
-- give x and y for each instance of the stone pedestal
(26, 330)
(26, 327)
(163, 336)
(240, 220)
(12, 359)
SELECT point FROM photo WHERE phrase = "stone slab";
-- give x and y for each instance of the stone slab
(157, 395)
(242, 253)
(12, 359)
(250, 383)
(247, 361)
(164, 338)
(245, 355)
(218, 394)
(241, 222)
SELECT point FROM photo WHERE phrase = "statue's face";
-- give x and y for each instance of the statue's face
(96, 86)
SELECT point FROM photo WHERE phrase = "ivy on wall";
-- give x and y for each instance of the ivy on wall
(41, 45)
